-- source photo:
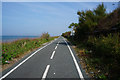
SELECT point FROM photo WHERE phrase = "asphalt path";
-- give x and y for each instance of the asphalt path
(56, 60)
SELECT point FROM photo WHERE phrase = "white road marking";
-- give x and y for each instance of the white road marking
(52, 55)
(45, 73)
(56, 47)
(57, 44)
(75, 61)
(24, 61)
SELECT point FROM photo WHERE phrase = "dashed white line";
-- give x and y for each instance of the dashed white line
(52, 55)
(56, 47)
(75, 61)
(45, 73)
(24, 61)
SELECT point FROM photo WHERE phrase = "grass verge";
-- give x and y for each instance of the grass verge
(14, 51)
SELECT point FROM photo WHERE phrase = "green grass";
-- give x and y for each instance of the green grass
(14, 49)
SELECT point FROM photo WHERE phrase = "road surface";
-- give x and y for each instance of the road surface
(56, 60)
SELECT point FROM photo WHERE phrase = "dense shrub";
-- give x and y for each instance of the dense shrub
(107, 51)
(105, 46)
(66, 34)
(45, 36)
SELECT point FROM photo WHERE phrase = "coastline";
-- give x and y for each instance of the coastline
(9, 39)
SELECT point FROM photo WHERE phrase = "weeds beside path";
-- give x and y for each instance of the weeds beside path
(12, 52)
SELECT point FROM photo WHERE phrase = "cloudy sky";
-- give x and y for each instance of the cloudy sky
(34, 18)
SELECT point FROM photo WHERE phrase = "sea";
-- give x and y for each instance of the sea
(13, 38)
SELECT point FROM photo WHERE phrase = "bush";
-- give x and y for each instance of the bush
(66, 34)
(45, 36)
(105, 46)
(107, 51)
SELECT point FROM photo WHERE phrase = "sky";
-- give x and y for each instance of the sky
(35, 18)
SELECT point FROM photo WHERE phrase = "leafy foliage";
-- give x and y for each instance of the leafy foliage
(45, 35)
(73, 26)
(66, 34)
(107, 51)
(94, 34)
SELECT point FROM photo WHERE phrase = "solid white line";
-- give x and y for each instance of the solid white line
(52, 55)
(56, 47)
(45, 73)
(24, 61)
(75, 61)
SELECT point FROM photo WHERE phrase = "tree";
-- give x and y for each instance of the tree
(66, 34)
(100, 12)
(45, 35)
(73, 26)
(88, 21)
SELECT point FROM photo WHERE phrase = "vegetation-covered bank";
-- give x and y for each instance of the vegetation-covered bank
(16, 48)
(97, 41)
(100, 56)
